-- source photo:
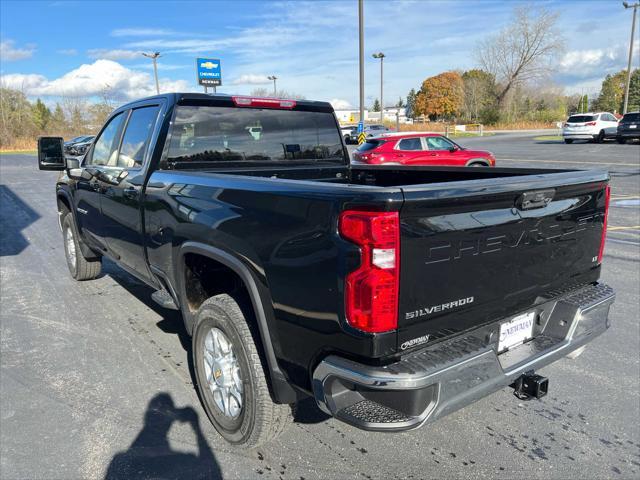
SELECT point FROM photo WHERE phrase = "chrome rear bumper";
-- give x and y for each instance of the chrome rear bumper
(425, 386)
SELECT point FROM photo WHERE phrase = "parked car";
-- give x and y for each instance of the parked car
(374, 130)
(68, 145)
(349, 134)
(81, 148)
(391, 295)
(629, 127)
(419, 149)
(590, 126)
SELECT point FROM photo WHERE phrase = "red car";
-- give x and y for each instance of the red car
(419, 149)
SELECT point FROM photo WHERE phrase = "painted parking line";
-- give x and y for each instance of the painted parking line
(567, 161)
(615, 229)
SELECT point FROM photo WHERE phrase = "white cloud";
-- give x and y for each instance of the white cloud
(140, 32)
(113, 54)
(90, 80)
(595, 61)
(340, 104)
(8, 52)
(251, 79)
(161, 66)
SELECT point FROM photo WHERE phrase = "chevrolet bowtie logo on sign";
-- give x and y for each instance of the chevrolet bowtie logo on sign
(209, 72)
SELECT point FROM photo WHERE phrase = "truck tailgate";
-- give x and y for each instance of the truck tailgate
(474, 252)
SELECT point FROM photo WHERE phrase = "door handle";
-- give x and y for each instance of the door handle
(130, 192)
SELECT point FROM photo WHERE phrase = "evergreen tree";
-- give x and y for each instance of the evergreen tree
(410, 109)
(376, 106)
(41, 115)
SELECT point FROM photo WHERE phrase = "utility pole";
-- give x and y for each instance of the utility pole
(633, 31)
(361, 58)
(154, 57)
(274, 78)
(381, 56)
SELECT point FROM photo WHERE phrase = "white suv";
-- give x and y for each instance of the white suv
(590, 126)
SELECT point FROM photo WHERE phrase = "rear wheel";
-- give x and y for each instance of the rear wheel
(568, 140)
(621, 140)
(600, 137)
(231, 379)
(80, 267)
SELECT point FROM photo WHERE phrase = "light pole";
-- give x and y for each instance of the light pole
(274, 78)
(154, 57)
(361, 58)
(381, 56)
(633, 30)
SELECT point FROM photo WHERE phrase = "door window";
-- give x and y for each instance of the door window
(106, 146)
(438, 143)
(137, 136)
(410, 144)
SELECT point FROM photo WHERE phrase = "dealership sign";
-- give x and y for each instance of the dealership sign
(209, 72)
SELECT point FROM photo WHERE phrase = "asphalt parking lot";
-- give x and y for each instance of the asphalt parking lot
(94, 375)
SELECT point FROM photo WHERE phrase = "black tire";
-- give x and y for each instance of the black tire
(568, 140)
(260, 418)
(347, 139)
(600, 137)
(621, 140)
(80, 267)
(478, 164)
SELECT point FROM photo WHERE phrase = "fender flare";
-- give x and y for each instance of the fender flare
(62, 193)
(282, 390)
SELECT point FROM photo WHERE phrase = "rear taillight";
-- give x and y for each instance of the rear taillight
(590, 124)
(603, 238)
(263, 102)
(371, 291)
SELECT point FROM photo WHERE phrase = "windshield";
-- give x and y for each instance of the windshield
(203, 134)
(631, 117)
(581, 118)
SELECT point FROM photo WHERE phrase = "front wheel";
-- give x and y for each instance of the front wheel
(600, 137)
(80, 267)
(230, 376)
(568, 140)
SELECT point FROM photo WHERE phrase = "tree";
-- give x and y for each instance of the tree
(263, 92)
(400, 103)
(41, 115)
(479, 93)
(58, 121)
(522, 51)
(611, 95)
(441, 96)
(409, 110)
(634, 91)
(376, 106)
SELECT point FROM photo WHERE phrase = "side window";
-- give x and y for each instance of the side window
(438, 143)
(105, 147)
(137, 136)
(410, 144)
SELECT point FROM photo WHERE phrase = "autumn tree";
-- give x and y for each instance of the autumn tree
(441, 96)
(58, 123)
(523, 51)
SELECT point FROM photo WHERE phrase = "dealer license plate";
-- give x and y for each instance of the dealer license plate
(516, 331)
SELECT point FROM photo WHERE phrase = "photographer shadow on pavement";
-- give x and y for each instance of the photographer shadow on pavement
(151, 456)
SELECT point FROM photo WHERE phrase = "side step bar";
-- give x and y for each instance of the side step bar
(164, 299)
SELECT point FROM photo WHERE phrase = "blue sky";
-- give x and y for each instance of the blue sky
(72, 48)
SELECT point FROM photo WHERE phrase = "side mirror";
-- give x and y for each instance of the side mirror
(453, 149)
(51, 153)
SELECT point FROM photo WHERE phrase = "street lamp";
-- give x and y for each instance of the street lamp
(633, 30)
(381, 56)
(361, 61)
(154, 57)
(274, 78)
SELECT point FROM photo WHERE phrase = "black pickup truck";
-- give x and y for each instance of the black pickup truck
(392, 295)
